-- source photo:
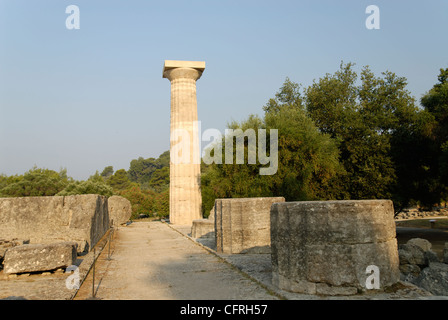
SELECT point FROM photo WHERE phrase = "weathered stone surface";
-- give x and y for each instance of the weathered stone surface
(80, 218)
(211, 215)
(422, 243)
(445, 253)
(203, 228)
(120, 210)
(332, 243)
(416, 252)
(39, 257)
(434, 279)
(7, 244)
(185, 170)
(410, 269)
(242, 225)
(411, 254)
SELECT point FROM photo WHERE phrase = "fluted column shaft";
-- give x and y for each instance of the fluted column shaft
(185, 190)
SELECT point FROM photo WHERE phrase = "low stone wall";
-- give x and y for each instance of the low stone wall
(326, 247)
(243, 224)
(80, 218)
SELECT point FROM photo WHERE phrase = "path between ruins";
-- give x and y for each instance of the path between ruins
(152, 261)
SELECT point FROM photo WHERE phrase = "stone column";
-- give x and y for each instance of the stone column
(185, 174)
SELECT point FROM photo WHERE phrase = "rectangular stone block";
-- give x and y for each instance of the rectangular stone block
(203, 228)
(39, 257)
(242, 225)
(327, 246)
(80, 218)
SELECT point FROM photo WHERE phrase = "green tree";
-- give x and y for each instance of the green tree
(142, 201)
(107, 172)
(162, 204)
(119, 180)
(36, 182)
(160, 179)
(367, 120)
(87, 187)
(141, 170)
(307, 158)
(435, 102)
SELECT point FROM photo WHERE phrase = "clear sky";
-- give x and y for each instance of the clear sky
(89, 98)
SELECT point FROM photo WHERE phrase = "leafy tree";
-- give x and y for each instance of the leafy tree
(119, 180)
(36, 182)
(307, 158)
(162, 204)
(142, 201)
(435, 102)
(87, 187)
(141, 170)
(107, 172)
(160, 179)
(368, 121)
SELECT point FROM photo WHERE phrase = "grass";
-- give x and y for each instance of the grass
(441, 223)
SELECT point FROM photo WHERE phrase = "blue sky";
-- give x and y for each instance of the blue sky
(89, 98)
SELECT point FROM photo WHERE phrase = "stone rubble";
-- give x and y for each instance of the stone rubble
(421, 266)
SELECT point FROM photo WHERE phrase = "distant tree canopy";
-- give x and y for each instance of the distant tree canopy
(36, 182)
(141, 170)
(347, 137)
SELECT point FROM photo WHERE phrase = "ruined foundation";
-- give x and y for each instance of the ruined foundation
(242, 225)
(325, 247)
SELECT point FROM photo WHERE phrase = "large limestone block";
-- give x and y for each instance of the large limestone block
(332, 243)
(39, 257)
(120, 210)
(203, 228)
(80, 218)
(243, 224)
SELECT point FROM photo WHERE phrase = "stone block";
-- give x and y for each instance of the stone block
(39, 257)
(422, 243)
(120, 210)
(7, 244)
(242, 225)
(203, 228)
(434, 279)
(80, 218)
(331, 243)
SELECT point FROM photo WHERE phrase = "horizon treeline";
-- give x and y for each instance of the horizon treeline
(145, 184)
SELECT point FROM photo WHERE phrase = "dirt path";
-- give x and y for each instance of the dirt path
(152, 261)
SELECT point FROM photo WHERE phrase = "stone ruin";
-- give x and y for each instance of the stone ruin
(326, 247)
(243, 225)
(316, 247)
(421, 266)
(323, 247)
(47, 233)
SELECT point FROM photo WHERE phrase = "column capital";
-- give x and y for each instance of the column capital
(174, 69)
